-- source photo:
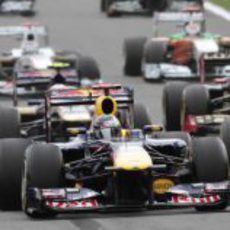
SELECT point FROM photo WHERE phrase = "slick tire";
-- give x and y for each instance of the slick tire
(210, 161)
(11, 164)
(154, 52)
(172, 104)
(225, 135)
(195, 101)
(42, 169)
(9, 122)
(157, 5)
(88, 68)
(103, 5)
(133, 52)
(141, 117)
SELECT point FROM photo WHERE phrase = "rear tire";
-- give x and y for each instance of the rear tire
(158, 5)
(9, 122)
(141, 117)
(210, 161)
(133, 51)
(11, 165)
(195, 101)
(43, 164)
(172, 104)
(88, 68)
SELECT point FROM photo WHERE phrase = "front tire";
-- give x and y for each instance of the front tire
(133, 52)
(43, 165)
(11, 164)
(9, 122)
(210, 161)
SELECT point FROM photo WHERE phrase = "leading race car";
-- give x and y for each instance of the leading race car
(68, 107)
(113, 168)
(23, 7)
(118, 7)
(192, 54)
(35, 54)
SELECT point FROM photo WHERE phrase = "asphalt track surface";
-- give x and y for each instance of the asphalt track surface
(78, 25)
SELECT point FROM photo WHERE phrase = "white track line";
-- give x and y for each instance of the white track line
(220, 11)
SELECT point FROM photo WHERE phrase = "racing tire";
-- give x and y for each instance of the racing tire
(103, 5)
(88, 68)
(195, 101)
(172, 104)
(225, 135)
(133, 52)
(9, 122)
(154, 52)
(28, 13)
(210, 161)
(42, 169)
(11, 164)
(141, 117)
(157, 5)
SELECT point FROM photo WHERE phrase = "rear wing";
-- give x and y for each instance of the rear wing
(178, 17)
(44, 77)
(20, 30)
(67, 97)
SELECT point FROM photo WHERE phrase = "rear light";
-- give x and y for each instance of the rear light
(190, 125)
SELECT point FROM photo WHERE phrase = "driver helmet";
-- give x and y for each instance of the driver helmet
(106, 126)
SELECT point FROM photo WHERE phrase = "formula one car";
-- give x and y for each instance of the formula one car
(70, 108)
(111, 167)
(127, 171)
(200, 109)
(192, 54)
(23, 7)
(35, 54)
(67, 107)
(118, 7)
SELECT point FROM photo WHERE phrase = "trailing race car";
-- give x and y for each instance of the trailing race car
(23, 7)
(200, 109)
(118, 7)
(192, 54)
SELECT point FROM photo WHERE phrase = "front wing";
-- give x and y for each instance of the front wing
(66, 200)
